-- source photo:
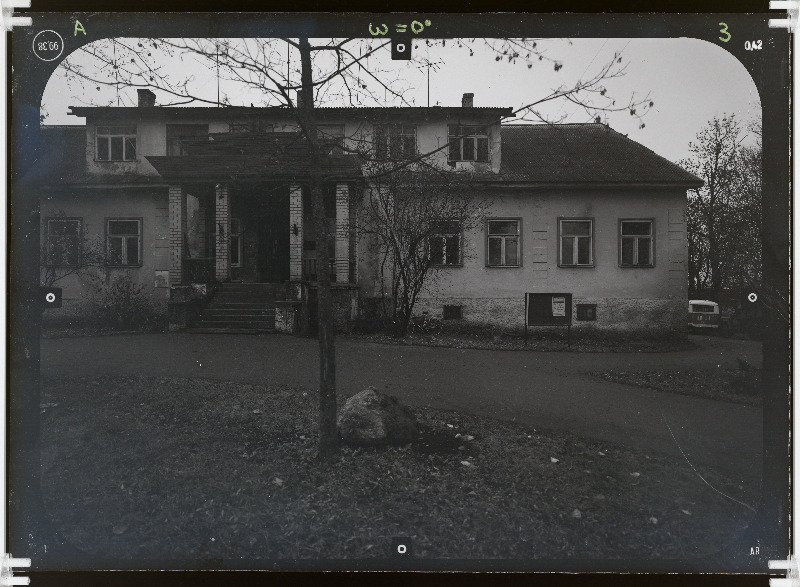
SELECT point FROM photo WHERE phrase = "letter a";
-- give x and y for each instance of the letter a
(78, 27)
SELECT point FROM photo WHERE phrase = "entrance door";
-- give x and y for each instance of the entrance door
(273, 248)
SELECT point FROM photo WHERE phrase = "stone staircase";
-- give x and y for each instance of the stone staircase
(241, 308)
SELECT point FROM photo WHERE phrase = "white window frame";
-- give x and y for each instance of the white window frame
(466, 131)
(124, 261)
(442, 236)
(503, 245)
(651, 237)
(561, 263)
(393, 130)
(108, 134)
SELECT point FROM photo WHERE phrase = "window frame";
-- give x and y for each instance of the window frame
(109, 136)
(443, 235)
(591, 264)
(108, 236)
(383, 152)
(518, 220)
(459, 136)
(238, 235)
(48, 258)
(652, 237)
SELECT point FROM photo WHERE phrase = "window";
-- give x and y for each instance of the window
(586, 312)
(636, 243)
(445, 242)
(116, 143)
(236, 242)
(63, 242)
(502, 244)
(395, 141)
(451, 312)
(177, 132)
(124, 242)
(332, 133)
(706, 308)
(468, 143)
(576, 243)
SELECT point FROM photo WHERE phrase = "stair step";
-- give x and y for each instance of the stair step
(254, 324)
(240, 306)
(202, 330)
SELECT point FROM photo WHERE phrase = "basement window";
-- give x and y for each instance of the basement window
(452, 312)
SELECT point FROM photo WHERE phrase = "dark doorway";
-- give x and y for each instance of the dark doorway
(273, 241)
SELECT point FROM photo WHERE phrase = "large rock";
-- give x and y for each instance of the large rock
(371, 417)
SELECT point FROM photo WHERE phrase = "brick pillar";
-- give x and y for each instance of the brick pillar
(295, 232)
(177, 230)
(222, 204)
(342, 233)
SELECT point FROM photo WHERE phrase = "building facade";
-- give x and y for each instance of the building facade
(194, 204)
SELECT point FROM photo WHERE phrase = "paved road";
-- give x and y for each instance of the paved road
(547, 390)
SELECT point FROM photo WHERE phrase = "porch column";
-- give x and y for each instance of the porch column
(177, 231)
(295, 232)
(342, 233)
(223, 232)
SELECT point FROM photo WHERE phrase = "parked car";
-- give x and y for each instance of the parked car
(703, 314)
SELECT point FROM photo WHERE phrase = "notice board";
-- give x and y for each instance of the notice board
(548, 309)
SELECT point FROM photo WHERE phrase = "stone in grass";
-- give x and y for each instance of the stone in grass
(371, 417)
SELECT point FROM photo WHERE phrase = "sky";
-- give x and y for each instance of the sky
(689, 81)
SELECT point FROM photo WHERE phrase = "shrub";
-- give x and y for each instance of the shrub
(121, 304)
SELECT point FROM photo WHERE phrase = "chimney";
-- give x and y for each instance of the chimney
(466, 100)
(146, 98)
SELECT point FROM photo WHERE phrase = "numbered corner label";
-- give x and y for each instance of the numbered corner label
(48, 45)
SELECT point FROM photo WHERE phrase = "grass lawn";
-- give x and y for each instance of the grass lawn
(733, 385)
(153, 469)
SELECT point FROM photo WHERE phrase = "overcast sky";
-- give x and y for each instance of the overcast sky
(689, 81)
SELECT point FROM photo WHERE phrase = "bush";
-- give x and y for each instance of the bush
(122, 305)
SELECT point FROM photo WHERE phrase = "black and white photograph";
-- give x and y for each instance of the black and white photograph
(399, 297)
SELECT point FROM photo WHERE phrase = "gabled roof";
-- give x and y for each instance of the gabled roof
(583, 154)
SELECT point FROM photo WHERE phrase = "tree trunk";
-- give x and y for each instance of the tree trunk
(328, 434)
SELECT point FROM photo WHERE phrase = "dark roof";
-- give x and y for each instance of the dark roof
(366, 112)
(226, 155)
(583, 153)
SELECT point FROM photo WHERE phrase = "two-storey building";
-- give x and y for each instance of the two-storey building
(183, 196)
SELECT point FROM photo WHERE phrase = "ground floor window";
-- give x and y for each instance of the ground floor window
(636, 243)
(445, 242)
(503, 236)
(124, 242)
(575, 236)
(63, 242)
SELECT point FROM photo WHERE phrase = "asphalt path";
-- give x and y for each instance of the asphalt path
(544, 390)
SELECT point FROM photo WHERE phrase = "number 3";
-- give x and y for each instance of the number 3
(724, 31)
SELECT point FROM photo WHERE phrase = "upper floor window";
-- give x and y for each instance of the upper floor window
(116, 143)
(63, 242)
(176, 133)
(575, 236)
(395, 141)
(467, 143)
(334, 134)
(636, 243)
(503, 243)
(445, 242)
(124, 241)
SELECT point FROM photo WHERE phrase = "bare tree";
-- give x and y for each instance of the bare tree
(416, 219)
(300, 75)
(67, 250)
(724, 216)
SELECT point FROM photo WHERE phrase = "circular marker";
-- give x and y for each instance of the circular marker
(48, 45)
(401, 48)
(50, 297)
(401, 548)
(752, 297)
(427, 23)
